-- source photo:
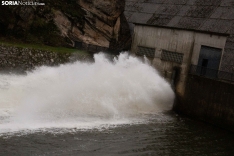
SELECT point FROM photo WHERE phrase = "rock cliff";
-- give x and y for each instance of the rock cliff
(68, 23)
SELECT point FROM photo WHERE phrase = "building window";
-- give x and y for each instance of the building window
(145, 51)
(172, 56)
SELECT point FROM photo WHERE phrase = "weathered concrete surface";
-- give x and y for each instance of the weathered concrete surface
(211, 16)
(208, 100)
(185, 42)
(15, 59)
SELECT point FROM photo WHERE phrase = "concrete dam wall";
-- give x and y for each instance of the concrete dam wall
(208, 100)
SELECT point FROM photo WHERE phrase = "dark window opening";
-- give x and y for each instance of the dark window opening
(175, 76)
(209, 60)
(204, 62)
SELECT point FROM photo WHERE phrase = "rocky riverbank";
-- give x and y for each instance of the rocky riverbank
(19, 60)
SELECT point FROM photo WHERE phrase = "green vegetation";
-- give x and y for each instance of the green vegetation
(36, 25)
(45, 47)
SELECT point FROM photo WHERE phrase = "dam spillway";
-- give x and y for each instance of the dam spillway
(82, 95)
(119, 107)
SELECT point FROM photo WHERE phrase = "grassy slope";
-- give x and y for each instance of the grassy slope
(45, 47)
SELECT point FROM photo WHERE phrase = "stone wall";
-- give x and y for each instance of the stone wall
(208, 100)
(17, 59)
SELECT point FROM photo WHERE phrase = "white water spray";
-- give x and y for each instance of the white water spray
(82, 95)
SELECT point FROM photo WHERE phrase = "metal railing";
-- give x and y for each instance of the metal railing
(211, 73)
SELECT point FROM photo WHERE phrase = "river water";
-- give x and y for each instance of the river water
(163, 134)
(119, 107)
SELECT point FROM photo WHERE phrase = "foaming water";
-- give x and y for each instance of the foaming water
(83, 95)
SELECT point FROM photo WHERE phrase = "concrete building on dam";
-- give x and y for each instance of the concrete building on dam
(184, 38)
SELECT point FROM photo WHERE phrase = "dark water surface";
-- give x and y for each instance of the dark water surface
(165, 134)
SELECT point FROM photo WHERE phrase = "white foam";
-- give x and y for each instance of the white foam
(82, 95)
